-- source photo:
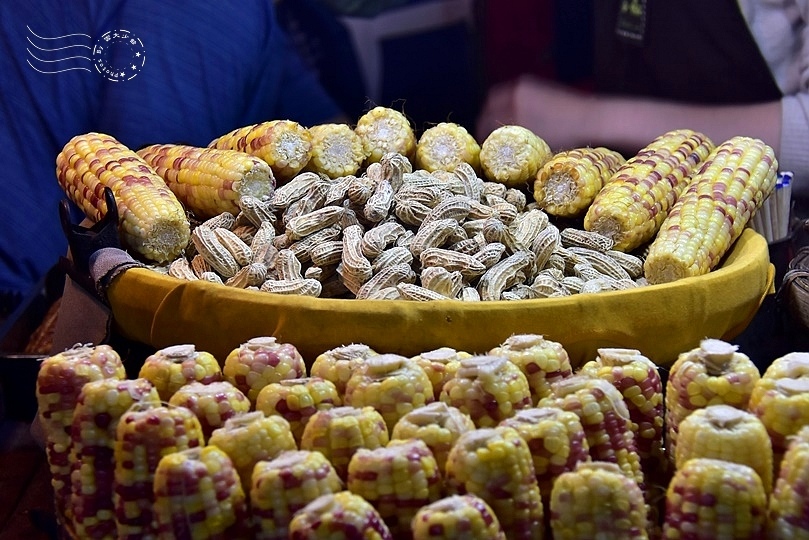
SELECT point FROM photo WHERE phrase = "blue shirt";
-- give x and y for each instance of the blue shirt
(201, 69)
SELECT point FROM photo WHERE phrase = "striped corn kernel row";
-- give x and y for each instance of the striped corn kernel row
(146, 433)
(495, 464)
(59, 382)
(99, 407)
(285, 484)
(596, 500)
(339, 432)
(639, 196)
(213, 403)
(336, 150)
(487, 388)
(710, 498)
(172, 367)
(788, 516)
(444, 146)
(393, 385)
(438, 425)
(337, 364)
(397, 480)
(542, 361)
(260, 361)
(296, 400)
(338, 516)
(198, 495)
(457, 517)
(569, 182)
(440, 365)
(252, 437)
(512, 155)
(713, 373)
(711, 214)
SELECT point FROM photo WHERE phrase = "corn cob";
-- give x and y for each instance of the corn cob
(198, 495)
(393, 385)
(99, 406)
(780, 399)
(59, 383)
(457, 517)
(296, 400)
(633, 204)
(397, 480)
(726, 433)
(337, 365)
(444, 146)
(285, 145)
(714, 210)
(338, 516)
(487, 388)
(209, 181)
(172, 367)
(146, 433)
(152, 221)
(260, 361)
(596, 500)
(569, 182)
(495, 464)
(383, 130)
(512, 155)
(437, 424)
(710, 498)
(339, 432)
(213, 403)
(556, 441)
(541, 360)
(638, 380)
(285, 484)
(440, 365)
(713, 373)
(788, 518)
(605, 419)
(336, 150)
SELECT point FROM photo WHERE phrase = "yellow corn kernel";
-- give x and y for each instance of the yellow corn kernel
(338, 516)
(440, 365)
(541, 360)
(213, 403)
(711, 214)
(152, 221)
(457, 517)
(384, 130)
(512, 155)
(444, 146)
(172, 367)
(260, 361)
(633, 204)
(788, 519)
(337, 365)
(285, 484)
(296, 400)
(568, 183)
(336, 150)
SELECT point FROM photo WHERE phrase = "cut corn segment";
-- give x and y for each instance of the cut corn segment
(336, 150)
(172, 367)
(444, 146)
(152, 221)
(713, 373)
(495, 464)
(338, 516)
(542, 361)
(440, 365)
(711, 214)
(285, 484)
(213, 403)
(285, 145)
(210, 181)
(710, 498)
(146, 433)
(457, 517)
(337, 365)
(397, 480)
(788, 518)
(633, 204)
(596, 500)
(260, 361)
(569, 182)
(512, 155)
(384, 130)
(296, 400)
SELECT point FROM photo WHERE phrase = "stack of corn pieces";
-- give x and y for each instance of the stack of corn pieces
(510, 443)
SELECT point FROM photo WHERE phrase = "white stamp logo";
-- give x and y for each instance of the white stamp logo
(117, 55)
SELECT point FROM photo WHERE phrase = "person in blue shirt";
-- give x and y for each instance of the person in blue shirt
(144, 71)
